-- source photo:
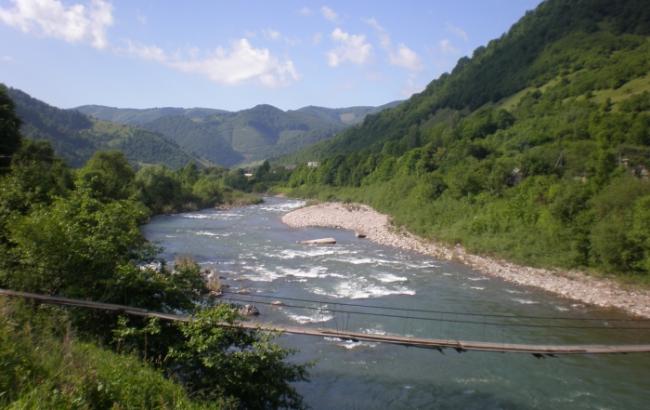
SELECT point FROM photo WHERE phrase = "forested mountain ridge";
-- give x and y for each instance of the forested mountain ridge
(76, 136)
(537, 148)
(231, 138)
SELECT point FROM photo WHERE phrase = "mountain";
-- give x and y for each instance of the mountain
(536, 148)
(76, 136)
(231, 138)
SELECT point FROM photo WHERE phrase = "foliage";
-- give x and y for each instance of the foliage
(79, 236)
(516, 152)
(43, 365)
(76, 136)
(9, 129)
(231, 138)
(223, 361)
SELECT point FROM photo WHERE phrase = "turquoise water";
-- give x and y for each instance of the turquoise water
(257, 254)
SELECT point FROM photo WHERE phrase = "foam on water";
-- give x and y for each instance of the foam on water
(205, 233)
(285, 207)
(212, 216)
(261, 274)
(385, 262)
(390, 278)
(349, 344)
(318, 317)
(480, 278)
(361, 289)
(309, 253)
(515, 292)
(525, 301)
(477, 287)
(377, 332)
(314, 272)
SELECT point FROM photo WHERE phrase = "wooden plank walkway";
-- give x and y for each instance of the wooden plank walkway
(438, 344)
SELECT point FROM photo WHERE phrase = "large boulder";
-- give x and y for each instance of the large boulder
(248, 310)
(212, 282)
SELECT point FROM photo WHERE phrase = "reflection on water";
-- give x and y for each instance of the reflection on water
(354, 284)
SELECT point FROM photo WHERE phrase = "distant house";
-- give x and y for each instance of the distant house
(313, 164)
(248, 174)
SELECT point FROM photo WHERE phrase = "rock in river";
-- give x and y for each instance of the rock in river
(321, 241)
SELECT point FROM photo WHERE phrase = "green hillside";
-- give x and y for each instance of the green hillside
(537, 148)
(231, 138)
(76, 136)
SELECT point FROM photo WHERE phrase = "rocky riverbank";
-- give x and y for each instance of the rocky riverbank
(378, 228)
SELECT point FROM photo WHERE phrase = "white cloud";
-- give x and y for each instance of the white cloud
(384, 38)
(150, 53)
(352, 48)
(447, 47)
(457, 31)
(85, 23)
(272, 34)
(7, 59)
(403, 56)
(317, 38)
(241, 63)
(406, 58)
(275, 35)
(305, 11)
(329, 14)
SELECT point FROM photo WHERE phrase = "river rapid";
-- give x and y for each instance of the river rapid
(354, 284)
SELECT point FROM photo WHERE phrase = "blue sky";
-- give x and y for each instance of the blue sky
(236, 54)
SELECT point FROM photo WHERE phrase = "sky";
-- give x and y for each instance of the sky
(234, 55)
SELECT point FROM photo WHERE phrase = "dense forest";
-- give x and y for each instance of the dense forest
(76, 137)
(75, 233)
(241, 137)
(537, 148)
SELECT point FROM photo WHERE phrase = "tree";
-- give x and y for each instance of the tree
(9, 130)
(108, 175)
(218, 360)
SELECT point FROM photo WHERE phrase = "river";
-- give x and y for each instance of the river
(259, 255)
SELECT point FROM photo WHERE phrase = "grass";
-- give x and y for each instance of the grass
(43, 365)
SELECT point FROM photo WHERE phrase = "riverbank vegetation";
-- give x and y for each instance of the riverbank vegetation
(536, 149)
(75, 233)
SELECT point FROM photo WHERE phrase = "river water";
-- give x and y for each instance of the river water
(354, 284)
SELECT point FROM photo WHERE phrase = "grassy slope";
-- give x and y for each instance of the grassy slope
(42, 365)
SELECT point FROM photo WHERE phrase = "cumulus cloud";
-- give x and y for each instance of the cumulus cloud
(384, 38)
(241, 63)
(150, 53)
(329, 14)
(402, 56)
(352, 48)
(447, 47)
(406, 58)
(76, 23)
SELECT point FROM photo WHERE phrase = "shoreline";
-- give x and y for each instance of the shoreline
(378, 228)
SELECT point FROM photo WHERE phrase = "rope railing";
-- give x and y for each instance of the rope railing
(437, 344)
